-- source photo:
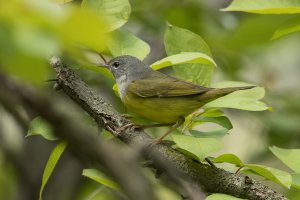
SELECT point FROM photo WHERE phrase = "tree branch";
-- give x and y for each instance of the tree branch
(211, 179)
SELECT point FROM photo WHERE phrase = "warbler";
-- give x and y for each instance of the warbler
(158, 97)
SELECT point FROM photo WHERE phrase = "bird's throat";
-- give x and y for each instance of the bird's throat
(122, 85)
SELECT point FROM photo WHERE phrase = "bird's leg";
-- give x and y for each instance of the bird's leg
(173, 128)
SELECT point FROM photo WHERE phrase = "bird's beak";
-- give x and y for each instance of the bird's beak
(105, 66)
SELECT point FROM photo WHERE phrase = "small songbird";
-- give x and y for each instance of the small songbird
(158, 97)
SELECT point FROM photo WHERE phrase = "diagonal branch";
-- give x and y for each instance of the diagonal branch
(211, 179)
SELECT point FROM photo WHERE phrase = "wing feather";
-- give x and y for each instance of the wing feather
(158, 84)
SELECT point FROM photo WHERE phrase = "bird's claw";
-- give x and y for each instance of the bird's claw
(131, 126)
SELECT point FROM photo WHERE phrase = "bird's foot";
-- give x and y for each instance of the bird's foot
(130, 126)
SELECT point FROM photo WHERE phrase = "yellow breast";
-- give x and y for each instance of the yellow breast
(161, 110)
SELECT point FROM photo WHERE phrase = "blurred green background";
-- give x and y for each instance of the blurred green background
(243, 50)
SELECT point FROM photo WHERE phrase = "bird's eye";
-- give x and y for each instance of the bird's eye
(116, 64)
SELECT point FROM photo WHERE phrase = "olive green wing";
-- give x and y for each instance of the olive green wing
(158, 84)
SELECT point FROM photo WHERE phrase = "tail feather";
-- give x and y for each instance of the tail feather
(215, 93)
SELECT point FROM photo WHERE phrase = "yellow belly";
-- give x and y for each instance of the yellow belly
(161, 110)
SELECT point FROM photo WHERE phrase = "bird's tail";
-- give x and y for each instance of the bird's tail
(215, 93)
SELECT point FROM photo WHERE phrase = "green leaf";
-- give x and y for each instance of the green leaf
(115, 12)
(296, 181)
(38, 126)
(125, 43)
(200, 147)
(281, 177)
(241, 103)
(52, 161)
(178, 40)
(291, 26)
(276, 175)
(212, 113)
(265, 7)
(222, 121)
(229, 158)
(101, 178)
(243, 99)
(211, 134)
(90, 33)
(218, 196)
(290, 157)
(184, 57)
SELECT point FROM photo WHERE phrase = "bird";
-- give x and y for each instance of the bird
(159, 97)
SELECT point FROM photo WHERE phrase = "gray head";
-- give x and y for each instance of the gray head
(127, 67)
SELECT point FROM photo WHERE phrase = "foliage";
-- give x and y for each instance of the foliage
(125, 43)
(276, 175)
(271, 7)
(38, 126)
(51, 163)
(264, 7)
(27, 39)
(100, 177)
(178, 40)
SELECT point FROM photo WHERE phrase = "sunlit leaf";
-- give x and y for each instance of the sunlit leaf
(178, 40)
(229, 158)
(291, 26)
(38, 126)
(125, 43)
(184, 57)
(101, 178)
(115, 12)
(243, 99)
(265, 7)
(238, 103)
(218, 196)
(281, 177)
(212, 113)
(200, 147)
(290, 157)
(51, 163)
